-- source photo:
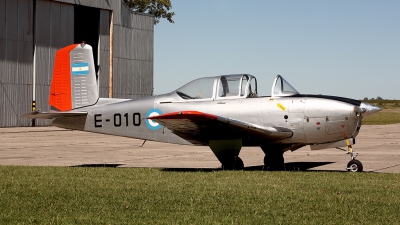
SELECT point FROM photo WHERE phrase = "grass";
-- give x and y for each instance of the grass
(59, 195)
(386, 116)
(385, 104)
(390, 113)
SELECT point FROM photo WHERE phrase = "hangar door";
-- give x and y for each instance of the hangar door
(92, 25)
(86, 28)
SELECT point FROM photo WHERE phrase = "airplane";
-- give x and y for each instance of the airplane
(223, 112)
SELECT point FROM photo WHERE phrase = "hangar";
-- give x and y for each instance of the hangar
(31, 31)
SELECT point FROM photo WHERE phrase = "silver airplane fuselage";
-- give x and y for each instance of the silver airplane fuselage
(312, 120)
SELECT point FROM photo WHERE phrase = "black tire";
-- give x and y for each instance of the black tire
(233, 163)
(354, 166)
(274, 162)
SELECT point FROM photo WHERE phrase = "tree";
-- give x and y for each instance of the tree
(379, 98)
(159, 8)
(365, 99)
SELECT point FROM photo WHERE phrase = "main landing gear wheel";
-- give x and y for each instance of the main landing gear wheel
(233, 163)
(274, 161)
(354, 166)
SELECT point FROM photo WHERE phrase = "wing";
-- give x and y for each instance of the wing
(51, 115)
(198, 128)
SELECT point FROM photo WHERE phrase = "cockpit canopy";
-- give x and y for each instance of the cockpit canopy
(225, 86)
(231, 86)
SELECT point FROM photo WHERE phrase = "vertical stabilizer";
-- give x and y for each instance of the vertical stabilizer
(74, 78)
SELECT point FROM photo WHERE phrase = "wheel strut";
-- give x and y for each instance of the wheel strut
(353, 165)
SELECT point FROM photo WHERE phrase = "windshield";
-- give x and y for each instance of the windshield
(282, 88)
(198, 89)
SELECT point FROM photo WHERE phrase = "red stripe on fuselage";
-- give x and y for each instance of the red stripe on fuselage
(184, 115)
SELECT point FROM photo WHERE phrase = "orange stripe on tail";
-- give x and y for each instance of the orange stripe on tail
(60, 91)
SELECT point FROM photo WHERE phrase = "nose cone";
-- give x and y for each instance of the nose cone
(369, 109)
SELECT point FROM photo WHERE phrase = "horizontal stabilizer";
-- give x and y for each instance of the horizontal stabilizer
(51, 115)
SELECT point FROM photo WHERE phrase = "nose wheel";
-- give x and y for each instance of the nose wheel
(353, 165)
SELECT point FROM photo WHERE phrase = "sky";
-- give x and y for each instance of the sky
(342, 48)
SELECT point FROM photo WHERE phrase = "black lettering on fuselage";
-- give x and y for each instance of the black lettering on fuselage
(117, 119)
(126, 119)
(136, 119)
(96, 121)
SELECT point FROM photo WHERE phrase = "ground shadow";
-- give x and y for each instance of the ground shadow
(99, 165)
(293, 166)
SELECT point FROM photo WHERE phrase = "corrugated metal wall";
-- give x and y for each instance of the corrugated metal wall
(16, 52)
(101, 4)
(54, 29)
(133, 56)
(50, 28)
(104, 53)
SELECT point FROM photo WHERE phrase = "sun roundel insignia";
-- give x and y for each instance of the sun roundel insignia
(152, 125)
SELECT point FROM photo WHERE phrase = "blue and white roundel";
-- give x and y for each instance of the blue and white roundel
(152, 125)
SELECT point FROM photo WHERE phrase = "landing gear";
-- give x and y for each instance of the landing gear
(273, 159)
(232, 163)
(354, 166)
(227, 152)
